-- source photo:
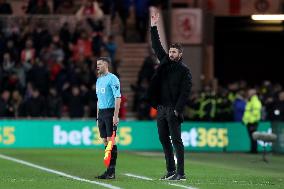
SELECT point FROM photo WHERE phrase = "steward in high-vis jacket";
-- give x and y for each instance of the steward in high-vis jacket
(252, 116)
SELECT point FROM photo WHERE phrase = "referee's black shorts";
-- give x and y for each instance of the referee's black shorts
(105, 122)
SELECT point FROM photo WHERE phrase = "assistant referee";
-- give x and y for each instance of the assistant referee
(109, 98)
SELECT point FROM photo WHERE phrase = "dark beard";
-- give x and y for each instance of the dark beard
(175, 59)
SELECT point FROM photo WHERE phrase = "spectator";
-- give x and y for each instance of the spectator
(74, 74)
(28, 92)
(65, 37)
(20, 74)
(84, 93)
(97, 43)
(148, 68)
(38, 7)
(122, 7)
(36, 105)
(41, 37)
(31, 6)
(239, 106)
(17, 103)
(97, 36)
(224, 110)
(142, 17)
(54, 103)
(79, 28)
(6, 109)
(57, 53)
(64, 33)
(90, 9)
(108, 6)
(111, 47)
(269, 103)
(83, 47)
(13, 82)
(8, 64)
(12, 50)
(28, 55)
(144, 76)
(54, 60)
(191, 110)
(57, 4)
(92, 101)
(64, 7)
(5, 8)
(75, 103)
(2, 45)
(141, 104)
(39, 77)
(85, 76)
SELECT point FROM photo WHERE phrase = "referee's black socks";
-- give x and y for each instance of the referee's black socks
(113, 159)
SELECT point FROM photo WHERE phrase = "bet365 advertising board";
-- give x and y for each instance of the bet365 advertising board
(131, 135)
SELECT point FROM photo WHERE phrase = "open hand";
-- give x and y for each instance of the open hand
(154, 16)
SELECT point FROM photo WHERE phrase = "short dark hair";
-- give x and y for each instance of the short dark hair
(105, 59)
(177, 46)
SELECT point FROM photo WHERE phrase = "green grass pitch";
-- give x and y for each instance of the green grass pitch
(203, 170)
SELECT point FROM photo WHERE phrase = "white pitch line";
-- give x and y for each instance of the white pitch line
(137, 176)
(147, 178)
(57, 172)
(183, 186)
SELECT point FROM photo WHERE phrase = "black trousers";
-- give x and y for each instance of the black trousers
(252, 127)
(169, 129)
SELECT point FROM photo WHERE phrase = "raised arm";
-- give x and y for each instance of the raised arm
(155, 38)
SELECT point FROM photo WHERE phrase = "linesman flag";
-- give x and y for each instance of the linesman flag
(108, 149)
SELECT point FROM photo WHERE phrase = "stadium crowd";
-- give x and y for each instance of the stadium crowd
(51, 72)
(48, 71)
(213, 103)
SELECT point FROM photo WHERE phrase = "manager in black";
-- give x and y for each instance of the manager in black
(168, 92)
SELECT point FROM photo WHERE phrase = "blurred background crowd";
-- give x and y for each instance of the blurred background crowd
(213, 102)
(48, 64)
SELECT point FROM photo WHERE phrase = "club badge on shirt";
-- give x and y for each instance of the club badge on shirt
(116, 87)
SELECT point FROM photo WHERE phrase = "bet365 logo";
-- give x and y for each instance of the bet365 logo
(203, 137)
(88, 136)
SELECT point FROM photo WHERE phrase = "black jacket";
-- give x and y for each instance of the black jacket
(172, 80)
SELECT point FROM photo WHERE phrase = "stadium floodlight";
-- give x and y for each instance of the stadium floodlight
(268, 17)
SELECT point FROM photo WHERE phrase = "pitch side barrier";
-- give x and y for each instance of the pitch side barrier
(131, 135)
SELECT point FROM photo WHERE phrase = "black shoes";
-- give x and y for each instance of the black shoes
(106, 175)
(168, 176)
(178, 177)
(173, 176)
